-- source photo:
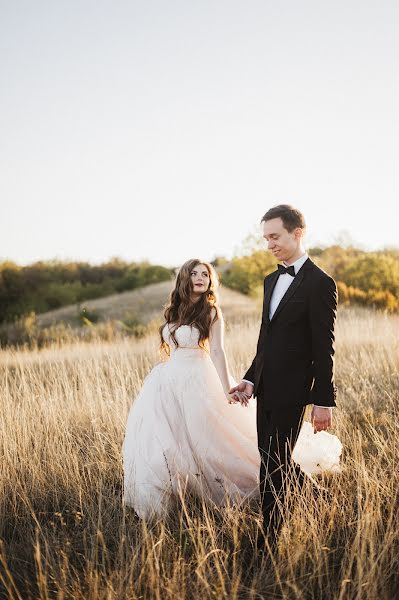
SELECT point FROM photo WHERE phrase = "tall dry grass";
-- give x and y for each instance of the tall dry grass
(65, 532)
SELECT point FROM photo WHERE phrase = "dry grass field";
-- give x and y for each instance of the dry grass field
(64, 531)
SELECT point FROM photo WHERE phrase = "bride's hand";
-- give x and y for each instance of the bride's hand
(241, 397)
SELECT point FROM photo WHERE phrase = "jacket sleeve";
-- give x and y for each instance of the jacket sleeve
(250, 374)
(322, 316)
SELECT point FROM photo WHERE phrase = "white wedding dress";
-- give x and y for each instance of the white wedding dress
(182, 433)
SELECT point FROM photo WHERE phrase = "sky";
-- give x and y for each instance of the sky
(165, 130)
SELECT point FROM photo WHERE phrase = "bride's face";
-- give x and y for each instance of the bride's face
(199, 279)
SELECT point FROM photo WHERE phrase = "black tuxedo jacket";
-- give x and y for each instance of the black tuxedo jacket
(294, 362)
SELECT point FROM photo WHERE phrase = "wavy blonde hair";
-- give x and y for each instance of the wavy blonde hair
(181, 310)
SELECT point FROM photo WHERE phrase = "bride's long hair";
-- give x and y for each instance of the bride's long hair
(181, 310)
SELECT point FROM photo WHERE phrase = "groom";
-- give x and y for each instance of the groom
(294, 361)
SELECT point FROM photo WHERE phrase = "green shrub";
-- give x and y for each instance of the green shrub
(246, 273)
(373, 271)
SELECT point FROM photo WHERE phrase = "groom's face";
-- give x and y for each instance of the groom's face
(281, 243)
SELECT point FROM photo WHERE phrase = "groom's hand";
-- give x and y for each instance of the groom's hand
(321, 418)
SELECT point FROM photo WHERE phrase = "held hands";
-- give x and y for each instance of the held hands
(238, 397)
(241, 393)
(321, 418)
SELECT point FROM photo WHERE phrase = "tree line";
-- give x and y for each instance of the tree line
(363, 278)
(47, 285)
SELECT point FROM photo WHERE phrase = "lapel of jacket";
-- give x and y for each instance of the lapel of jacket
(293, 287)
(268, 293)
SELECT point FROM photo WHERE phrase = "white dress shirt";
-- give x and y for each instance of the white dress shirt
(283, 283)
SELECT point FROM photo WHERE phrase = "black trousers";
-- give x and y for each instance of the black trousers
(278, 429)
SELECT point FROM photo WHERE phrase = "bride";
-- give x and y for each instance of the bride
(184, 430)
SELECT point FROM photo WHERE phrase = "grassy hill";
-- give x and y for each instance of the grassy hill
(142, 305)
(132, 313)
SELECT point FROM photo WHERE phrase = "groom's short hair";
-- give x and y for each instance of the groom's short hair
(290, 216)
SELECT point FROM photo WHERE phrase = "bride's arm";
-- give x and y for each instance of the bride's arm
(218, 355)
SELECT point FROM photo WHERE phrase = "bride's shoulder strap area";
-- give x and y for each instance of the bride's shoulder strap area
(166, 331)
(216, 332)
(216, 313)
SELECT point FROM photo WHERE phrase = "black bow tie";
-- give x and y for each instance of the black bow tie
(290, 270)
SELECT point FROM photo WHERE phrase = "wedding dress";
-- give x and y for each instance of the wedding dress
(182, 433)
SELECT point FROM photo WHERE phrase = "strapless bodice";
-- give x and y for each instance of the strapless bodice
(187, 337)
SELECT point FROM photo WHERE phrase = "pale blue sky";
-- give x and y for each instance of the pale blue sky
(164, 130)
